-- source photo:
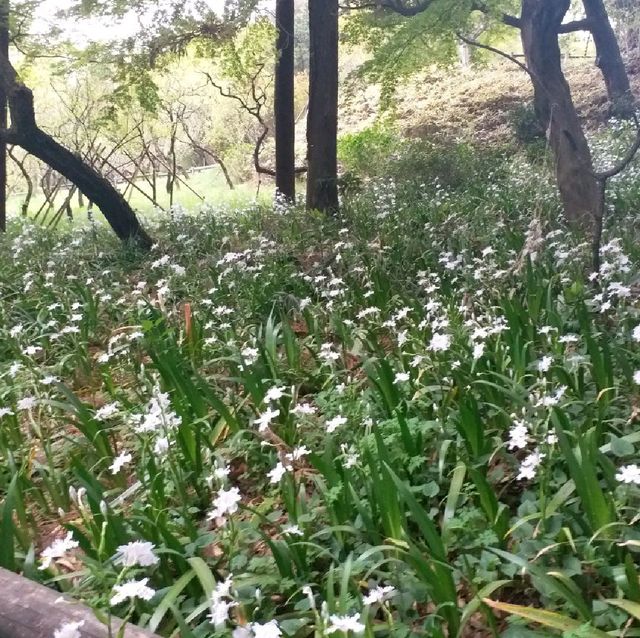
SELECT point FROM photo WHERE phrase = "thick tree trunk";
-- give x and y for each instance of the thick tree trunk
(322, 125)
(284, 105)
(609, 59)
(577, 183)
(4, 118)
(25, 133)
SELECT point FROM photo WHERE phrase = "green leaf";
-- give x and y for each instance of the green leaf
(543, 617)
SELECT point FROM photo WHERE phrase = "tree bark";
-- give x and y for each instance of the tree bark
(284, 105)
(608, 57)
(575, 175)
(322, 124)
(4, 118)
(25, 133)
(29, 610)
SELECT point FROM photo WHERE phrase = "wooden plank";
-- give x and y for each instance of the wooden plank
(30, 610)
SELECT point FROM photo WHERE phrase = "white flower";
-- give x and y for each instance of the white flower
(478, 350)
(346, 623)
(303, 408)
(335, 423)
(225, 503)
(440, 342)
(264, 420)
(378, 595)
(136, 553)
(274, 394)
(530, 465)
(351, 460)
(57, 549)
(107, 411)
(328, 353)
(27, 403)
(292, 530)
(636, 377)
(132, 589)
(31, 350)
(298, 453)
(635, 335)
(249, 355)
(629, 474)
(161, 446)
(124, 458)
(544, 364)
(276, 474)
(549, 401)
(266, 630)
(221, 471)
(69, 630)
(402, 377)
(16, 366)
(518, 436)
(6, 412)
(49, 380)
(219, 611)
(16, 330)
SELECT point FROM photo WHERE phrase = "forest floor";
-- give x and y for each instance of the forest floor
(419, 419)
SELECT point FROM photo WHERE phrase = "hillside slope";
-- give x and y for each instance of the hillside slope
(475, 104)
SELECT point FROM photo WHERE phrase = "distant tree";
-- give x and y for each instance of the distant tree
(627, 24)
(608, 56)
(322, 122)
(284, 100)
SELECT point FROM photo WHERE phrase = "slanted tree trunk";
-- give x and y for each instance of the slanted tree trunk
(322, 123)
(577, 183)
(4, 119)
(608, 57)
(25, 133)
(284, 105)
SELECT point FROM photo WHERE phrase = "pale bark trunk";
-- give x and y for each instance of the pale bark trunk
(609, 59)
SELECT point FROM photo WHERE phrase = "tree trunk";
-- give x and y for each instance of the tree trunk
(284, 105)
(608, 57)
(25, 133)
(578, 186)
(322, 124)
(4, 118)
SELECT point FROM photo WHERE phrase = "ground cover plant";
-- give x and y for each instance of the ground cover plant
(416, 419)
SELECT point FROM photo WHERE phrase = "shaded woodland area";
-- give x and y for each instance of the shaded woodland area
(319, 318)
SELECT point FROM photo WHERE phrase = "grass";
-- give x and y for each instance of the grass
(204, 186)
(419, 419)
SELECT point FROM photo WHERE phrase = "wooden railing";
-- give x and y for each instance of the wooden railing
(30, 610)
